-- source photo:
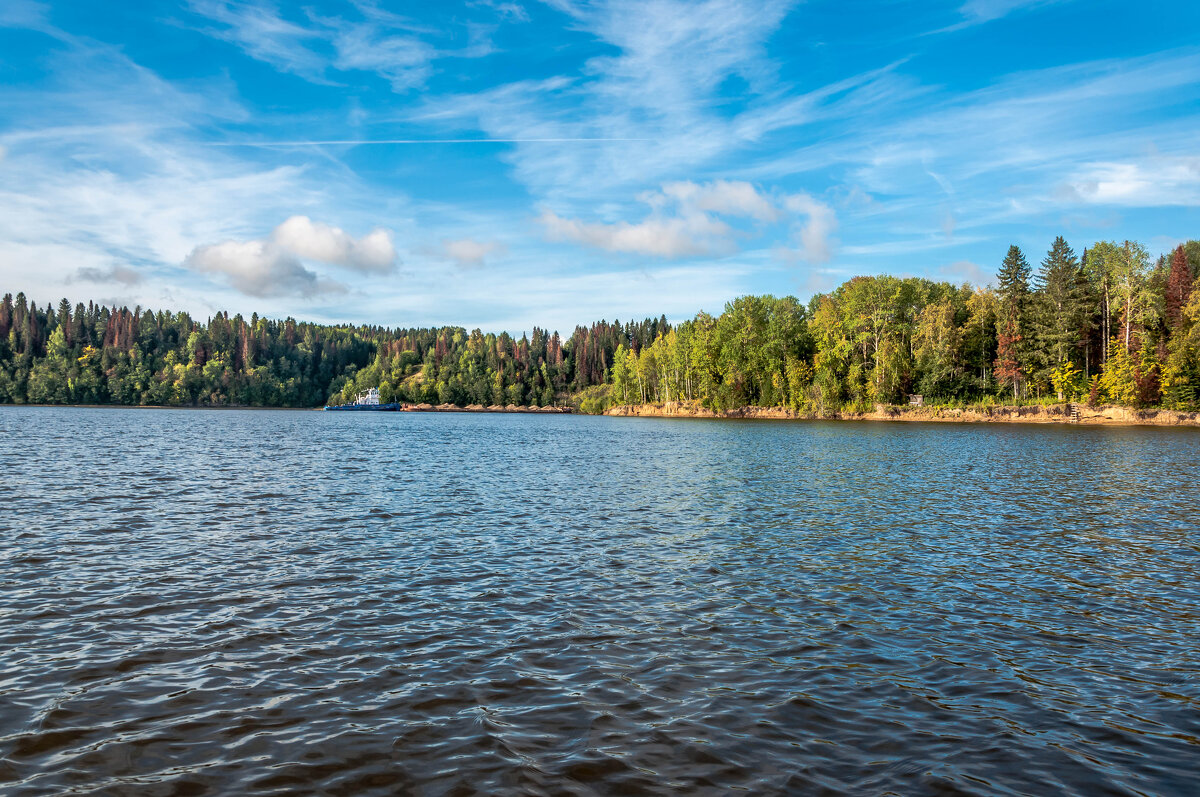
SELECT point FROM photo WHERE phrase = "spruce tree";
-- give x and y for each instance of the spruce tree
(1011, 321)
(1056, 316)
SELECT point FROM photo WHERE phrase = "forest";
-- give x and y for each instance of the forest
(1108, 325)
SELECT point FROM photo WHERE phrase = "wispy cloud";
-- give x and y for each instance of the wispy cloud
(373, 45)
(375, 40)
(1032, 142)
(655, 98)
(417, 141)
(977, 12)
(571, 141)
(259, 30)
(685, 220)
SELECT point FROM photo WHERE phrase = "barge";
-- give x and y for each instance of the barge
(366, 402)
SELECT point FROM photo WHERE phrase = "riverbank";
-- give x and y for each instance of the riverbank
(481, 408)
(510, 408)
(1050, 413)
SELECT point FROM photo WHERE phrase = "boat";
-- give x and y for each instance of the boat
(368, 401)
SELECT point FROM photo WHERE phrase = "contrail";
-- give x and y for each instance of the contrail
(368, 142)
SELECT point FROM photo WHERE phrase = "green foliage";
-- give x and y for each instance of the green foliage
(594, 400)
(1067, 380)
(872, 340)
(107, 355)
(1118, 382)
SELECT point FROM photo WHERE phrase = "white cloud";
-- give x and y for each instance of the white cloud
(684, 221)
(261, 269)
(657, 98)
(272, 267)
(264, 35)
(690, 234)
(1155, 182)
(812, 234)
(305, 238)
(468, 252)
(726, 197)
(379, 42)
(403, 59)
(1029, 144)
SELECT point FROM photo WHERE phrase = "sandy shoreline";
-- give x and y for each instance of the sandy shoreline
(1053, 413)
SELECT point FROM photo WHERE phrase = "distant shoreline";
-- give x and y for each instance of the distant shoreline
(161, 407)
(1110, 415)
(406, 408)
(1035, 414)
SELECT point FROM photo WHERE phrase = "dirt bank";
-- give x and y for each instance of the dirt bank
(480, 408)
(1053, 413)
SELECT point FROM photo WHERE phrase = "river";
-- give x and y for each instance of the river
(218, 602)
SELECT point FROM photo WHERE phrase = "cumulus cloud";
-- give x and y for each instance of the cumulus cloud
(273, 267)
(303, 237)
(119, 274)
(261, 269)
(467, 252)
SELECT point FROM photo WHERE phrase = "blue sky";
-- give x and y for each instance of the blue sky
(506, 163)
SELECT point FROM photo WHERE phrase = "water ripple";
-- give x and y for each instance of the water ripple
(221, 602)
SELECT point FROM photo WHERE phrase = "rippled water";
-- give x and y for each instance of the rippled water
(221, 602)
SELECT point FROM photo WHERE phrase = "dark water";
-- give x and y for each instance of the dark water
(277, 602)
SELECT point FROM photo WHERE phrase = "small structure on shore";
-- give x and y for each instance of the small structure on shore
(916, 400)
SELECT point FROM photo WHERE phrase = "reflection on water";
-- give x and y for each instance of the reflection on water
(218, 602)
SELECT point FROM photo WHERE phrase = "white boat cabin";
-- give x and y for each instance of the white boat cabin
(371, 397)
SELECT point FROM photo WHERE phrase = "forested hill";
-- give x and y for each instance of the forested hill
(100, 355)
(1109, 325)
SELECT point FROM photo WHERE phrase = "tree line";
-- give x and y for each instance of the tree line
(93, 354)
(1109, 324)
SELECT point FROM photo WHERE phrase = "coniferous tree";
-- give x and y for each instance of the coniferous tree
(1011, 322)
(1057, 315)
(1179, 289)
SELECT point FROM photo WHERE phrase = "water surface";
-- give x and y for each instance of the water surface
(202, 602)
